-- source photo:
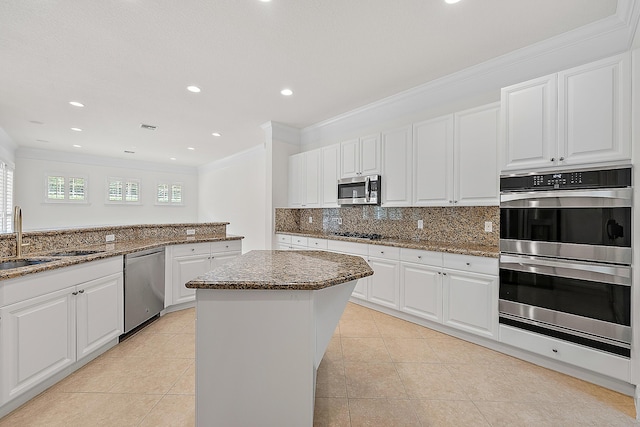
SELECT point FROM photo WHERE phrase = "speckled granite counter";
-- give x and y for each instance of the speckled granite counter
(278, 270)
(426, 245)
(105, 251)
(264, 321)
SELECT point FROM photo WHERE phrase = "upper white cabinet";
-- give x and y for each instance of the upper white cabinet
(305, 179)
(360, 156)
(330, 175)
(577, 116)
(396, 167)
(455, 159)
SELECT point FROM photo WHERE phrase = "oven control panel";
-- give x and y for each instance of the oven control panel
(608, 178)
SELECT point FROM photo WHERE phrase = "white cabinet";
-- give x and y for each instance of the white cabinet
(396, 167)
(305, 180)
(578, 116)
(192, 260)
(470, 299)
(384, 285)
(330, 175)
(51, 320)
(421, 284)
(455, 159)
(360, 156)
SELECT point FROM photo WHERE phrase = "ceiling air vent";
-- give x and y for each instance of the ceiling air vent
(148, 127)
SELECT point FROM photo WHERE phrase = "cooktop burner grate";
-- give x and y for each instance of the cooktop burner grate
(369, 236)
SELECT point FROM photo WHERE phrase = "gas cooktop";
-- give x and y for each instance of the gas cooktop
(370, 236)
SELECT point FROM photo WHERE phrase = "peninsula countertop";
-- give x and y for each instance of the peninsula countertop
(284, 270)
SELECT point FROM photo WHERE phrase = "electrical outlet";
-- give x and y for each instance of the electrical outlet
(339, 221)
(110, 237)
(420, 224)
(488, 226)
(310, 220)
(191, 232)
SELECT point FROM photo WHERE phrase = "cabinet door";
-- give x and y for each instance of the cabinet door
(471, 302)
(38, 338)
(100, 313)
(421, 291)
(476, 156)
(295, 180)
(595, 111)
(185, 269)
(396, 167)
(311, 169)
(330, 175)
(433, 162)
(384, 284)
(529, 123)
(218, 259)
(350, 159)
(370, 155)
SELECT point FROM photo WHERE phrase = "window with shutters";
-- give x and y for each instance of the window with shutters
(6, 204)
(169, 194)
(60, 188)
(123, 191)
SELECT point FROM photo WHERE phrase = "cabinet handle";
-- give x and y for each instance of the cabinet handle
(81, 291)
(468, 263)
(74, 293)
(193, 249)
(381, 252)
(555, 350)
(439, 272)
(553, 159)
(444, 274)
(419, 256)
(450, 201)
(561, 158)
(455, 201)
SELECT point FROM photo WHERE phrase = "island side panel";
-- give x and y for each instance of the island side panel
(254, 357)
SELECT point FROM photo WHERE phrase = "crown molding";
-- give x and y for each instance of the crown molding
(229, 160)
(85, 159)
(591, 42)
(280, 132)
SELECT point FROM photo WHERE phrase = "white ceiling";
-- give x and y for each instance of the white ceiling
(129, 62)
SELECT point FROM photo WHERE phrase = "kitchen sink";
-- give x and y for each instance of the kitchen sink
(76, 253)
(25, 262)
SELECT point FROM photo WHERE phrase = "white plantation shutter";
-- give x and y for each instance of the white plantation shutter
(123, 190)
(169, 194)
(7, 190)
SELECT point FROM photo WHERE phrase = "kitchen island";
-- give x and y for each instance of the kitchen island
(263, 323)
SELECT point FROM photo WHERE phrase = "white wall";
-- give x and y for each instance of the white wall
(32, 167)
(233, 190)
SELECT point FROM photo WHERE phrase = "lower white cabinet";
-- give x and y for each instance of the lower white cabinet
(192, 260)
(43, 331)
(421, 291)
(470, 302)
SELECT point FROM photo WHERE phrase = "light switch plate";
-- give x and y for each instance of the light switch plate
(420, 224)
(488, 226)
(191, 232)
(110, 237)
(310, 220)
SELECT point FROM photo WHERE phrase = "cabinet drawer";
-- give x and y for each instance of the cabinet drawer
(474, 264)
(299, 241)
(317, 243)
(226, 246)
(347, 247)
(384, 252)
(573, 354)
(421, 257)
(283, 238)
(191, 249)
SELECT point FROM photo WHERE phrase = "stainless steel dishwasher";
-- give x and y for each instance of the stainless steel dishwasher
(143, 286)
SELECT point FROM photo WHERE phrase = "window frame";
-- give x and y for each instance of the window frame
(67, 193)
(170, 186)
(7, 190)
(126, 182)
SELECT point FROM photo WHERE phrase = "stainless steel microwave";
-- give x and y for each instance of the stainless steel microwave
(360, 190)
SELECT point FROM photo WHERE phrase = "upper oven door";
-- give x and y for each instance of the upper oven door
(592, 225)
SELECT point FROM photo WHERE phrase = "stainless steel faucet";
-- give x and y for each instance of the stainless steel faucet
(17, 227)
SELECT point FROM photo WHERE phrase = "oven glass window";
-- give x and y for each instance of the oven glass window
(589, 226)
(602, 301)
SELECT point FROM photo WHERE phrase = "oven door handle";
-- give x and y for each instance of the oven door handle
(615, 274)
(618, 197)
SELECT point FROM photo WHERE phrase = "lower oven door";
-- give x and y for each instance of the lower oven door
(583, 302)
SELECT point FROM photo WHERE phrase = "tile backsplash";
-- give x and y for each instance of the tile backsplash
(460, 224)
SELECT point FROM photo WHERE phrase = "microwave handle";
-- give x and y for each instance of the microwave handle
(367, 189)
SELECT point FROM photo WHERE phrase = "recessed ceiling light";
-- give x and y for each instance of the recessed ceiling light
(194, 89)
(77, 146)
(76, 103)
(286, 92)
(216, 134)
(451, 1)
(190, 148)
(265, 1)
(172, 158)
(77, 129)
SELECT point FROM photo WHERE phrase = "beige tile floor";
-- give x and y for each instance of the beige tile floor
(377, 371)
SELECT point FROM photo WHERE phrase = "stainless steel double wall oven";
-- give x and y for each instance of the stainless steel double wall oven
(565, 256)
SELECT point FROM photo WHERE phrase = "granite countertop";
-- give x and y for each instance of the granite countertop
(284, 270)
(106, 250)
(426, 245)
